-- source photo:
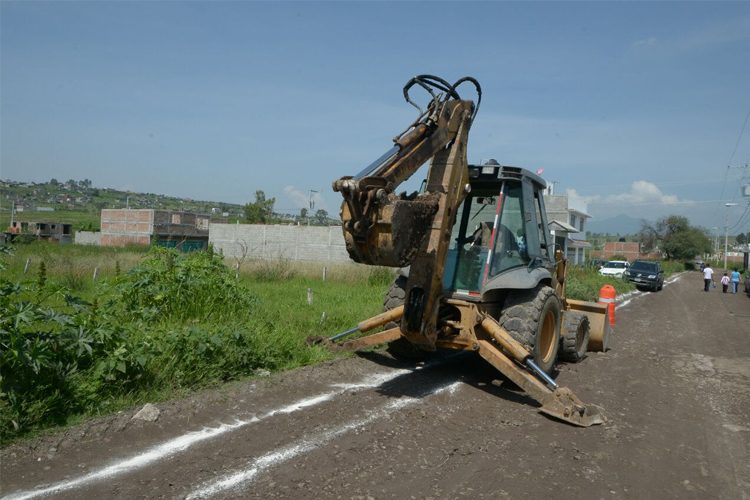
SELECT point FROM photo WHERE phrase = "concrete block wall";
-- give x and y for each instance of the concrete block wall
(272, 242)
(87, 238)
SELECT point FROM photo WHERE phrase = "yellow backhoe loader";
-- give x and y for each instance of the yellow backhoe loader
(478, 267)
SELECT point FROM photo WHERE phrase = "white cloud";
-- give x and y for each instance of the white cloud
(646, 42)
(301, 199)
(641, 193)
(579, 201)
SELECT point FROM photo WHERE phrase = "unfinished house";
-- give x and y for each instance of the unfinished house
(183, 230)
(58, 232)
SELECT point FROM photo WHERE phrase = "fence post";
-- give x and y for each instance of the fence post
(309, 296)
(26, 267)
(96, 273)
(325, 271)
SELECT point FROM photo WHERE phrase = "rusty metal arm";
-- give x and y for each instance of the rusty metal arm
(557, 402)
(379, 227)
(394, 314)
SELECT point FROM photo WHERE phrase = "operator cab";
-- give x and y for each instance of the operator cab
(500, 227)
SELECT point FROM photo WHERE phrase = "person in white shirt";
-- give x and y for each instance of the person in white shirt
(708, 275)
(724, 283)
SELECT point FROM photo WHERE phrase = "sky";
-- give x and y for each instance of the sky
(635, 108)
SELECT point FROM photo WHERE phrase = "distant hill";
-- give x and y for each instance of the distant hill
(80, 203)
(621, 224)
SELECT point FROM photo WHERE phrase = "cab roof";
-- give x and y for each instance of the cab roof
(492, 170)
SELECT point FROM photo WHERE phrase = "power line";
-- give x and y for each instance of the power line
(731, 157)
(739, 138)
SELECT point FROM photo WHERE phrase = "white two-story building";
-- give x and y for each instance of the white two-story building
(567, 221)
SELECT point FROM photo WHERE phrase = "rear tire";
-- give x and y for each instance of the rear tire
(576, 332)
(400, 349)
(532, 317)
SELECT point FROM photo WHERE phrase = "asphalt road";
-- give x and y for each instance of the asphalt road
(675, 390)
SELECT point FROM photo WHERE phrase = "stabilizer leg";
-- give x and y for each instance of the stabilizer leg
(364, 326)
(561, 403)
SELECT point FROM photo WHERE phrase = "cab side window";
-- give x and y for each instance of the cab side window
(510, 240)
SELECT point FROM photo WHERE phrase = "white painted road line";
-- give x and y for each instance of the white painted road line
(182, 443)
(279, 456)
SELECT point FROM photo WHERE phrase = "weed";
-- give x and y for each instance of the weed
(381, 276)
(273, 270)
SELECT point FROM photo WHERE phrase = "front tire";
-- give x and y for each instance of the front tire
(576, 332)
(532, 317)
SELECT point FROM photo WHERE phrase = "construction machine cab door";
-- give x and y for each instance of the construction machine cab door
(535, 221)
(510, 249)
(471, 241)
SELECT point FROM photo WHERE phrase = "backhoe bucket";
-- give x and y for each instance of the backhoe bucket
(564, 405)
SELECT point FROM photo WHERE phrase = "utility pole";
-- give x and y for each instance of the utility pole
(311, 201)
(716, 241)
(311, 204)
(726, 230)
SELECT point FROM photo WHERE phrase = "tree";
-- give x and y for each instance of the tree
(648, 237)
(675, 236)
(261, 210)
(687, 244)
(679, 240)
(741, 239)
(322, 217)
(303, 213)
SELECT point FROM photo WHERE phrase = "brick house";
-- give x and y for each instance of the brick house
(183, 230)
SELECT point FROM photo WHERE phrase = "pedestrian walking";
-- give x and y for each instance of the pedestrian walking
(735, 280)
(708, 277)
(724, 283)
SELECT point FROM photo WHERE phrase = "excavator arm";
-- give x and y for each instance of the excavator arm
(385, 229)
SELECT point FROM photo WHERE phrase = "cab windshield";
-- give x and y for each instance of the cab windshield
(487, 238)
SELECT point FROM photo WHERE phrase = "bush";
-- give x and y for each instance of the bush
(172, 286)
(43, 349)
(585, 283)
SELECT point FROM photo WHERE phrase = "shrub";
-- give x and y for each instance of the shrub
(173, 286)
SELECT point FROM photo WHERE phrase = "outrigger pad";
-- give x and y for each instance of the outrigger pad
(564, 405)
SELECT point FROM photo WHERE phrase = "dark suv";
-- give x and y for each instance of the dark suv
(645, 275)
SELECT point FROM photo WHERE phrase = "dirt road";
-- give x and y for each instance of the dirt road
(675, 388)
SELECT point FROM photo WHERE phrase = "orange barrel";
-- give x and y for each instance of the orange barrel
(607, 295)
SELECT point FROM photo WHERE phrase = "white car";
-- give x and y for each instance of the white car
(614, 268)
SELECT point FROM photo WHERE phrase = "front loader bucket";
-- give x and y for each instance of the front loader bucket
(563, 405)
(598, 322)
